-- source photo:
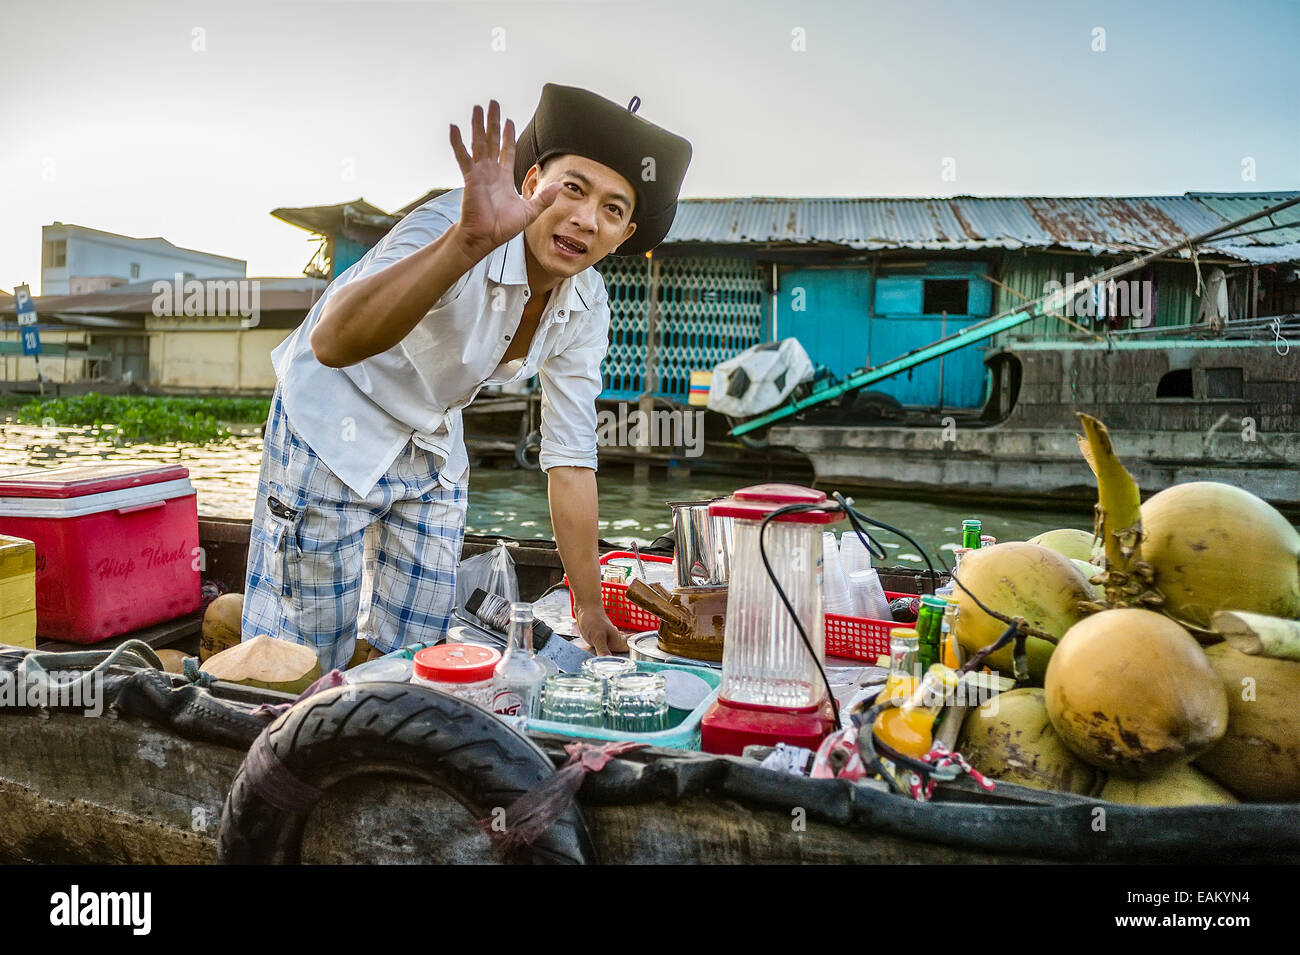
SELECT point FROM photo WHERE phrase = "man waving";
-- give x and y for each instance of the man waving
(360, 512)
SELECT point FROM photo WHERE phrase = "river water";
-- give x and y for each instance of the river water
(513, 503)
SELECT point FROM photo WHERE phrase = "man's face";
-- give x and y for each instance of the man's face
(590, 218)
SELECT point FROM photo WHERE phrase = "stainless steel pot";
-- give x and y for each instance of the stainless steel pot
(703, 555)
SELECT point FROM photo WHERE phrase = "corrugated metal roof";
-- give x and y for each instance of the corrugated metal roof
(1095, 225)
(295, 293)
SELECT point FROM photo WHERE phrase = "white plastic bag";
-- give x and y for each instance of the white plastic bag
(492, 571)
(759, 378)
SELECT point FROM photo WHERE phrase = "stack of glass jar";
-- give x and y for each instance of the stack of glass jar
(608, 694)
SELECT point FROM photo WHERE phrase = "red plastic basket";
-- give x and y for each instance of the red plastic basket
(621, 611)
(857, 638)
(860, 638)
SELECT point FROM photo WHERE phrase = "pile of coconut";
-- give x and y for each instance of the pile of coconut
(1163, 662)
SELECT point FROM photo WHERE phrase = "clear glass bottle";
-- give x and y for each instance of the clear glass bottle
(518, 679)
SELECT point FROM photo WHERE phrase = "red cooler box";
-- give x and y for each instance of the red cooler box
(117, 545)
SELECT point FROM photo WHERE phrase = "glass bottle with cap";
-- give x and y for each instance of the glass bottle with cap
(903, 644)
(909, 727)
(517, 683)
(929, 630)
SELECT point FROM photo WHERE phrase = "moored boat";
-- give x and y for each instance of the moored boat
(146, 782)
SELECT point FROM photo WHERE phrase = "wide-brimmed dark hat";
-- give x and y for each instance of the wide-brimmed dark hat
(574, 120)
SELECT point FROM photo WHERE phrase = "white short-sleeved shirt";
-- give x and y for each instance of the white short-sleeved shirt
(359, 418)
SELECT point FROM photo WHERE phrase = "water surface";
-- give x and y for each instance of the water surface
(513, 502)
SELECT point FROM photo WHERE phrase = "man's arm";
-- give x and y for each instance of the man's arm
(372, 314)
(574, 518)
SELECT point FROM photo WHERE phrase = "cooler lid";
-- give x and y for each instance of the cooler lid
(76, 480)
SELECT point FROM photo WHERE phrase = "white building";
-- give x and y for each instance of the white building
(76, 260)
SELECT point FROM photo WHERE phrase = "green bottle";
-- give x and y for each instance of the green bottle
(970, 534)
(929, 631)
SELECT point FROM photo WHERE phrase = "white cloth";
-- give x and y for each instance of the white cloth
(358, 419)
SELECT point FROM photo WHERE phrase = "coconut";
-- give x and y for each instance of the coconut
(1070, 542)
(1019, 580)
(1090, 571)
(266, 662)
(1130, 691)
(221, 625)
(1259, 757)
(1180, 786)
(173, 661)
(1010, 738)
(1217, 547)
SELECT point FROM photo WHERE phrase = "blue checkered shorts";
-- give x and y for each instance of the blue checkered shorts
(326, 566)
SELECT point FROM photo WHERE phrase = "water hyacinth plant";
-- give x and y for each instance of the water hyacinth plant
(135, 419)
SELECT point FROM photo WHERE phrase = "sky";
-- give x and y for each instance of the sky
(193, 120)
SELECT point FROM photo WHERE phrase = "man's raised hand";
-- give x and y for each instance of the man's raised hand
(491, 211)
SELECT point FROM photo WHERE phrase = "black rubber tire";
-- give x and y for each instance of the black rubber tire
(528, 452)
(395, 729)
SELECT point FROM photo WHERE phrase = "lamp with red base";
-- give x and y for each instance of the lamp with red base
(772, 689)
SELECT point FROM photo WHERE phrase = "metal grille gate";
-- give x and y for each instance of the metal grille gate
(709, 309)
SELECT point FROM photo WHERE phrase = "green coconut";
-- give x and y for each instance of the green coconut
(1020, 580)
(1258, 758)
(268, 663)
(1131, 692)
(1071, 542)
(1218, 547)
(1011, 739)
(1179, 786)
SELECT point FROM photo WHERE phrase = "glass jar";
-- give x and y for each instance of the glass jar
(638, 703)
(459, 669)
(574, 699)
(605, 669)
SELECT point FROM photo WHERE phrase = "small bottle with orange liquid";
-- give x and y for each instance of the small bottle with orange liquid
(909, 727)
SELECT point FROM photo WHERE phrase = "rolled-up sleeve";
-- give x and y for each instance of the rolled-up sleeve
(571, 381)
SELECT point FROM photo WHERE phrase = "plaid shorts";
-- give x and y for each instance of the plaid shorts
(325, 565)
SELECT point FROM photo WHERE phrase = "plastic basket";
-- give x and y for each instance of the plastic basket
(856, 638)
(613, 596)
(684, 734)
(860, 638)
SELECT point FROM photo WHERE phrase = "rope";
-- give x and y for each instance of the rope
(1196, 265)
(190, 666)
(33, 669)
(947, 765)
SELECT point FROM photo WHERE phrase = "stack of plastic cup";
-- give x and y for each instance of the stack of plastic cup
(835, 585)
(853, 553)
(868, 595)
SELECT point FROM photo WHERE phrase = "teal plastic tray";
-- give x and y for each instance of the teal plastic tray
(685, 734)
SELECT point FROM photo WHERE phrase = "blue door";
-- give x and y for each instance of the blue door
(827, 309)
(836, 327)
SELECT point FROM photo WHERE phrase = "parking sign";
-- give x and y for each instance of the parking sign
(31, 340)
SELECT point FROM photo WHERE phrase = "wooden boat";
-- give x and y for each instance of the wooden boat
(149, 780)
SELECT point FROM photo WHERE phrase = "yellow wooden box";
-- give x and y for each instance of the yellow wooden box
(17, 592)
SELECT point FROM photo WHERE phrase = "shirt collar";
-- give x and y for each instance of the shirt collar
(507, 266)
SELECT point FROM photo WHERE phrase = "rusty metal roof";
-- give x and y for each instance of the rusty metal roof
(1095, 225)
(136, 300)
